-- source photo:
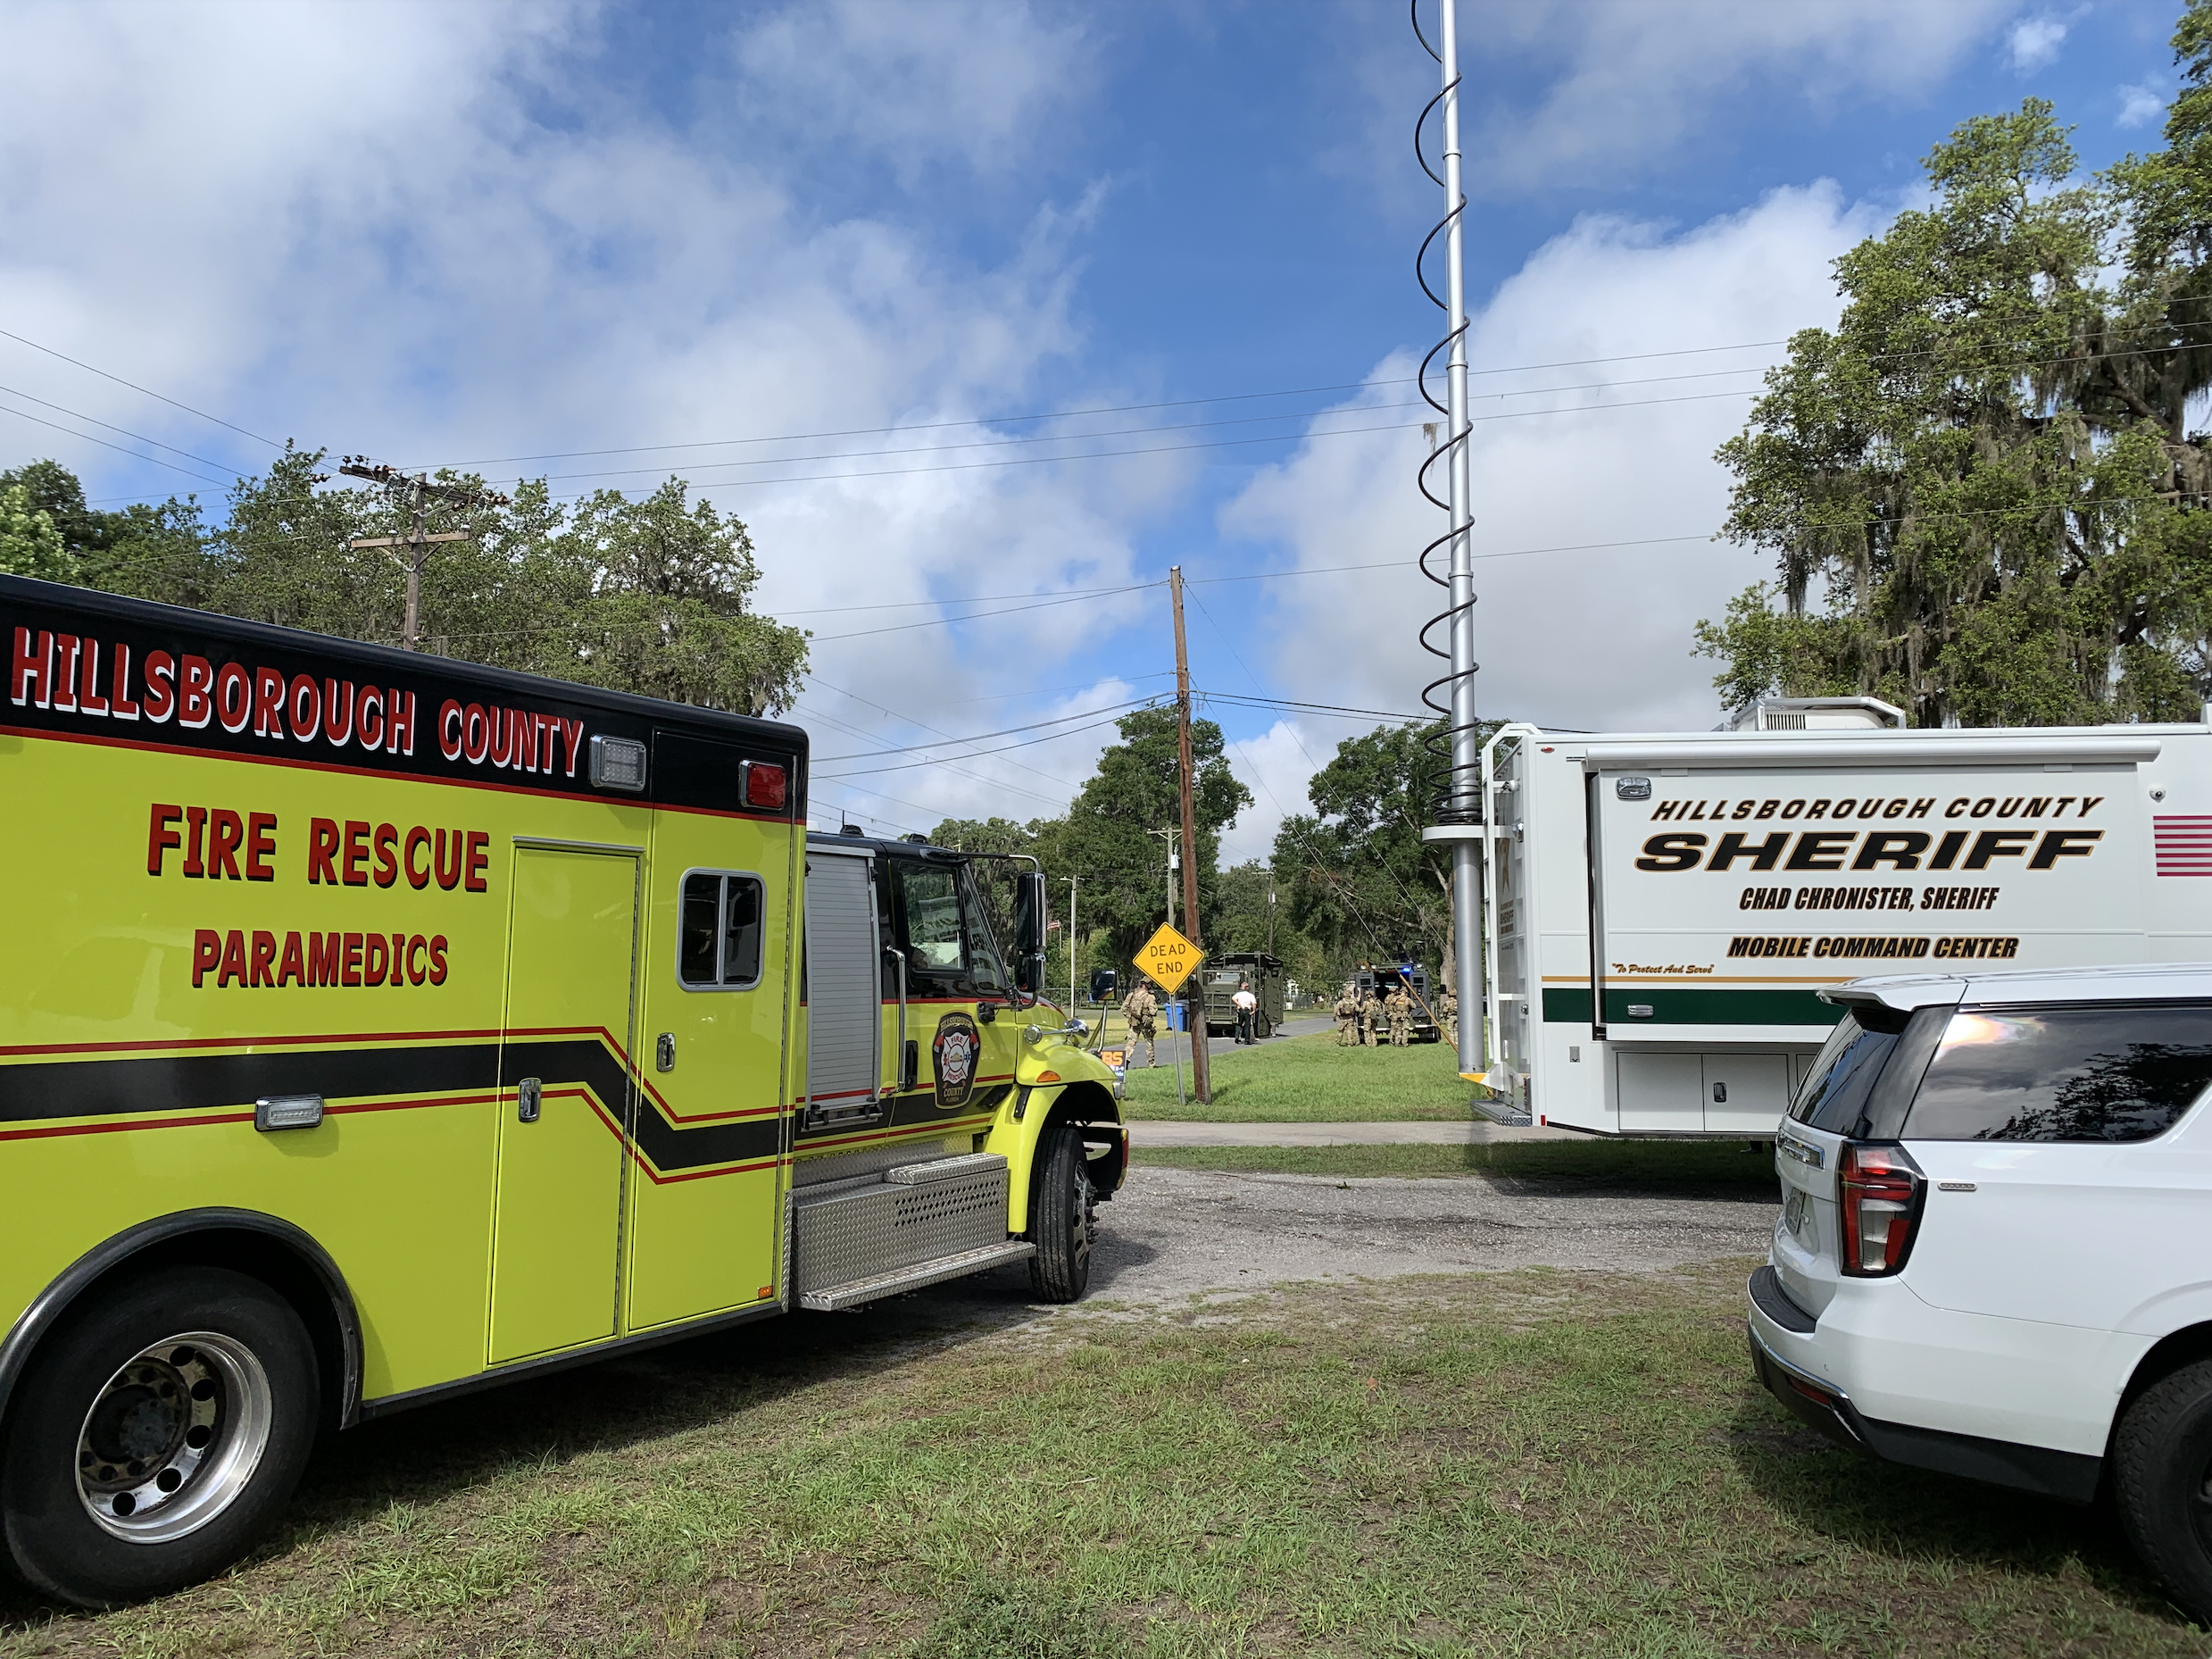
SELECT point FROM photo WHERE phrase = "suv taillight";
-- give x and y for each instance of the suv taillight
(1878, 1189)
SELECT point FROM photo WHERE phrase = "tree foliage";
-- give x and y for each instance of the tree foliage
(1983, 501)
(1361, 879)
(1108, 839)
(650, 596)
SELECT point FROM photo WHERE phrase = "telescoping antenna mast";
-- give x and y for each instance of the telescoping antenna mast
(1456, 813)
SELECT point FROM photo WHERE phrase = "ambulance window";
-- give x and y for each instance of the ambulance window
(930, 896)
(741, 931)
(718, 934)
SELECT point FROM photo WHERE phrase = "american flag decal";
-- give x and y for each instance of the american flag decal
(2183, 844)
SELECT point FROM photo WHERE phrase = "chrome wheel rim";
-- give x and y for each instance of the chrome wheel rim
(173, 1438)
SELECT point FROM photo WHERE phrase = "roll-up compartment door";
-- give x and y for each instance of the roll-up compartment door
(844, 982)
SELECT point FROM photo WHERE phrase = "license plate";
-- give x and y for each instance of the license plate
(1796, 1215)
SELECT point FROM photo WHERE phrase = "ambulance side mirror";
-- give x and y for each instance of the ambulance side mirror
(1030, 903)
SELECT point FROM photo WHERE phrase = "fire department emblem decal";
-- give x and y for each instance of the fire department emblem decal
(955, 1049)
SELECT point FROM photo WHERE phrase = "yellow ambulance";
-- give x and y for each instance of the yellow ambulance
(375, 1027)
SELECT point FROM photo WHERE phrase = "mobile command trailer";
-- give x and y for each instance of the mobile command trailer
(374, 1027)
(1725, 878)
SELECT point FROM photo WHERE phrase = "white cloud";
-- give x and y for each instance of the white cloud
(2034, 42)
(916, 81)
(1276, 766)
(429, 233)
(2141, 104)
(1628, 81)
(1598, 639)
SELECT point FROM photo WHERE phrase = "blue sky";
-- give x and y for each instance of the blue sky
(473, 233)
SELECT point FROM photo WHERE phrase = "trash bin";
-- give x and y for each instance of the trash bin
(1178, 1014)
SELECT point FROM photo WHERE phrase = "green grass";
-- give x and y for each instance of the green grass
(1309, 1079)
(1527, 1463)
(1656, 1163)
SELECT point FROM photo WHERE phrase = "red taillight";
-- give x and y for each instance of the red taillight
(764, 786)
(1878, 1189)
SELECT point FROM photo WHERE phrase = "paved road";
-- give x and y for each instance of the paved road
(1297, 1026)
(1154, 1132)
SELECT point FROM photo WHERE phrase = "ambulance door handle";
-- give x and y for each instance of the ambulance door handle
(527, 1096)
(1720, 1094)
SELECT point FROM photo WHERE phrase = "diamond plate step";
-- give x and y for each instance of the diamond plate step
(946, 1169)
(832, 1297)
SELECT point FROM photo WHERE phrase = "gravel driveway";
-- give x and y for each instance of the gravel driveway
(1170, 1234)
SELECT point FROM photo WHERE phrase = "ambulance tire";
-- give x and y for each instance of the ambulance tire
(1061, 1206)
(110, 1381)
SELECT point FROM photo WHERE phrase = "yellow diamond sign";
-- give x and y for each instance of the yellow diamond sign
(1168, 959)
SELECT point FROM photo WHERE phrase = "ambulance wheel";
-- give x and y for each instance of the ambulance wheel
(1061, 1207)
(156, 1436)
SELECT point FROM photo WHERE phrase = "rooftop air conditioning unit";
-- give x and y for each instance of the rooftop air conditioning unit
(1818, 714)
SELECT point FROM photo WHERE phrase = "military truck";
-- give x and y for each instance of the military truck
(1385, 980)
(1269, 983)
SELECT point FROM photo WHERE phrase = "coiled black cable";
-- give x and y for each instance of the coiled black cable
(1457, 795)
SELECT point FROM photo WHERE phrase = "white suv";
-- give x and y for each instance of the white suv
(1995, 1256)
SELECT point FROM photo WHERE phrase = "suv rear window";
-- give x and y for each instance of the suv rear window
(2111, 1072)
(1833, 1095)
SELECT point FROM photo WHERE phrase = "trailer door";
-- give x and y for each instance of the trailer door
(564, 1098)
(844, 987)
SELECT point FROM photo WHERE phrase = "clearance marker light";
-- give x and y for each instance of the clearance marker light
(275, 1111)
(764, 786)
(618, 763)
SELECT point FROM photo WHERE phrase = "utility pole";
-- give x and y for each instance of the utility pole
(1174, 865)
(414, 495)
(1071, 945)
(1202, 1071)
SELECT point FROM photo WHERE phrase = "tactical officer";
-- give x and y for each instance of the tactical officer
(1347, 1013)
(1399, 1006)
(1371, 1014)
(1448, 1017)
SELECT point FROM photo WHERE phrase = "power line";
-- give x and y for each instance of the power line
(870, 772)
(1050, 691)
(88, 438)
(78, 414)
(1285, 703)
(990, 598)
(1070, 414)
(982, 736)
(1127, 431)
(909, 721)
(976, 616)
(144, 391)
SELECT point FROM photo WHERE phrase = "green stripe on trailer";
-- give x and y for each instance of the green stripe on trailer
(1690, 1005)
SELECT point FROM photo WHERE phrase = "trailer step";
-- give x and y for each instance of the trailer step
(830, 1298)
(1499, 1112)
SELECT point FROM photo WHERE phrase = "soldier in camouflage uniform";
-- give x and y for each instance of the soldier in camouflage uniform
(1348, 1017)
(1448, 1018)
(1370, 1015)
(1141, 1009)
(1399, 1006)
